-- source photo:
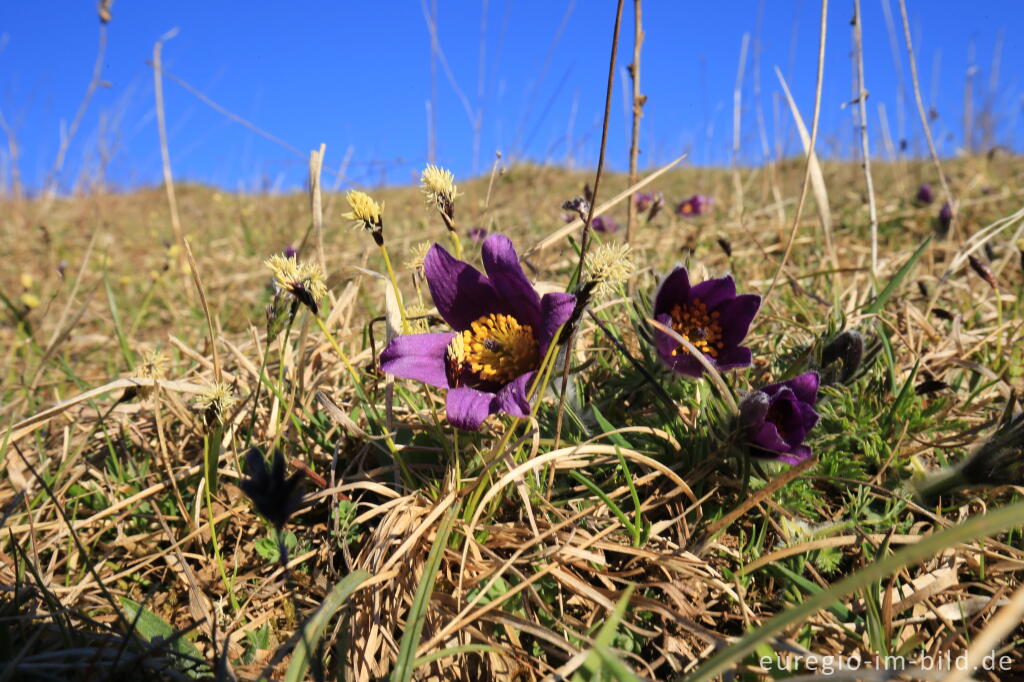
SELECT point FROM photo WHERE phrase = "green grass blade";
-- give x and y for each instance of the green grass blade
(897, 279)
(313, 629)
(406, 663)
(973, 529)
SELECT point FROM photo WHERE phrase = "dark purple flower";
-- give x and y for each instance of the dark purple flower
(604, 224)
(710, 316)
(502, 331)
(778, 417)
(477, 234)
(275, 496)
(642, 200)
(924, 194)
(291, 252)
(696, 205)
(945, 218)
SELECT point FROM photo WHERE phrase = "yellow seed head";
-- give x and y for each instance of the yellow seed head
(416, 257)
(154, 365)
(367, 213)
(609, 266)
(439, 189)
(305, 282)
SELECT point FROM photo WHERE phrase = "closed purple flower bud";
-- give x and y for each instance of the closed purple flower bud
(710, 316)
(777, 418)
(275, 496)
(291, 251)
(604, 225)
(477, 234)
(945, 218)
(924, 194)
(656, 205)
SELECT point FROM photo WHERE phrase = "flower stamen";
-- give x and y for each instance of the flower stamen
(494, 350)
(694, 323)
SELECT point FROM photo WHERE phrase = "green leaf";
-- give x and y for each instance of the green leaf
(153, 629)
(890, 288)
(313, 629)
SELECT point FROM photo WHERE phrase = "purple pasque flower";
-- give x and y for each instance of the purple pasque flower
(696, 205)
(477, 234)
(779, 416)
(502, 330)
(642, 201)
(710, 316)
(604, 224)
(925, 194)
(945, 217)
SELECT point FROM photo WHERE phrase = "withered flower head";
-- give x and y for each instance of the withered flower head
(276, 498)
(215, 402)
(305, 282)
(438, 185)
(579, 205)
(367, 213)
(608, 267)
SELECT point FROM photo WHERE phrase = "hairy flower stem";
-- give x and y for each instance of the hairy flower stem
(406, 329)
(228, 585)
(406, 474)
(456, 242)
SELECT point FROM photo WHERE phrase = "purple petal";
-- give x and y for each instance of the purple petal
(767, 436)
(461, 292)
(507, 276)
(714, 292)
(468, 408)
(805, 387)
(555, 310)
(418, 356)
(731, 358)
(736, 315)
(511, 399)
(674, 289)
(684, 364)
(798, 454)
(808, 416)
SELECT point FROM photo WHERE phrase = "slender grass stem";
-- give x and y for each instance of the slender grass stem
(406, 329)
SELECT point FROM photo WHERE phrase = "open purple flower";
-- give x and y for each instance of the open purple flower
(642, 200)
(710, 316)
(778, 417)
(502, 331)
(696, 205)
(604, 224)
(924, 194)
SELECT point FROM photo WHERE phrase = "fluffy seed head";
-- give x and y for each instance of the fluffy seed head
(367, 213)
(215, 401)
(439, 189)
(608, 267)
(417, 255)
(154, 365)
(305, 282)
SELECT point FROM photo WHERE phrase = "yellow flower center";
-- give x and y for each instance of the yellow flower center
(494, 350)
(694, 323)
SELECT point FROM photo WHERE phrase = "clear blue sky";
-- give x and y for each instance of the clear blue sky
(358, 75)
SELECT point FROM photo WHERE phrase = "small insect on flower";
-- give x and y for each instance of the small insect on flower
(608, 268)
(924, 194)
(604, 224)
(710, 316)
(215, 402)
(778, 417)
(438, 185)
(477, 235)
(368, 214)
(276, 498)
(303, 281)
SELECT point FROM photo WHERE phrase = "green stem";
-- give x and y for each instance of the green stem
(406, 329)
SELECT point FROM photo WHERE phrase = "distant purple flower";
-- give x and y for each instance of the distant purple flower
(477, 234)
(945, 217)
(696, 205)
(642, 200)
(778, 417)
(502, 331)
(924, 194)
(568, 217)
(291, 251)
(710, 316)
(604, 224)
